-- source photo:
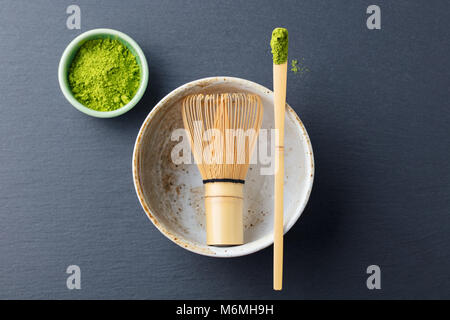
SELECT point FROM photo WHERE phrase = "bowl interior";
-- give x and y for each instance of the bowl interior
(72, 51)
(172, 194)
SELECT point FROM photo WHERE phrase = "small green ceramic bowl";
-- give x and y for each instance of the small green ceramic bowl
(70, 53)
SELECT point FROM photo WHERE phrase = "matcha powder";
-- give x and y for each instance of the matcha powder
(104, 75)
(279, 44)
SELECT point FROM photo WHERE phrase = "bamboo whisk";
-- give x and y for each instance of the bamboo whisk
(222, 131)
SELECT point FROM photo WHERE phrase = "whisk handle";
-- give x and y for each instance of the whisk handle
(224, 220)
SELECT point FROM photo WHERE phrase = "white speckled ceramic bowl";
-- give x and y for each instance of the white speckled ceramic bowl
(172, 195)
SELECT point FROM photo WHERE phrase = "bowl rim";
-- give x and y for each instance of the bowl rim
(258, 244)
(62, 75)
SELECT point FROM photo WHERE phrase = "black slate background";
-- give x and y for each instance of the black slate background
(375, 103)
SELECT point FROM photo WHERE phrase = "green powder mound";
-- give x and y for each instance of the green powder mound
(279, 44)
(104, 75)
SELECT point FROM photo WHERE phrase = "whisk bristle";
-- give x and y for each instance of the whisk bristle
(222, 131)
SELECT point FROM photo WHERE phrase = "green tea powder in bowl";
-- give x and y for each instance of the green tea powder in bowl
(104, 75)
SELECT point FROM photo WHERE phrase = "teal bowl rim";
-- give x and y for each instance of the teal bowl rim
(70, 52)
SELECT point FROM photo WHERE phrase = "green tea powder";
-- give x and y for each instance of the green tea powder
(104, 75)
(279, 44)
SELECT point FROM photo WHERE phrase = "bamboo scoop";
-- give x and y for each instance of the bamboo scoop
(279, 44)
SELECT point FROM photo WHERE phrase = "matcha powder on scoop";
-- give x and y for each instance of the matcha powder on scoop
(279, 44)
(104, 75)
